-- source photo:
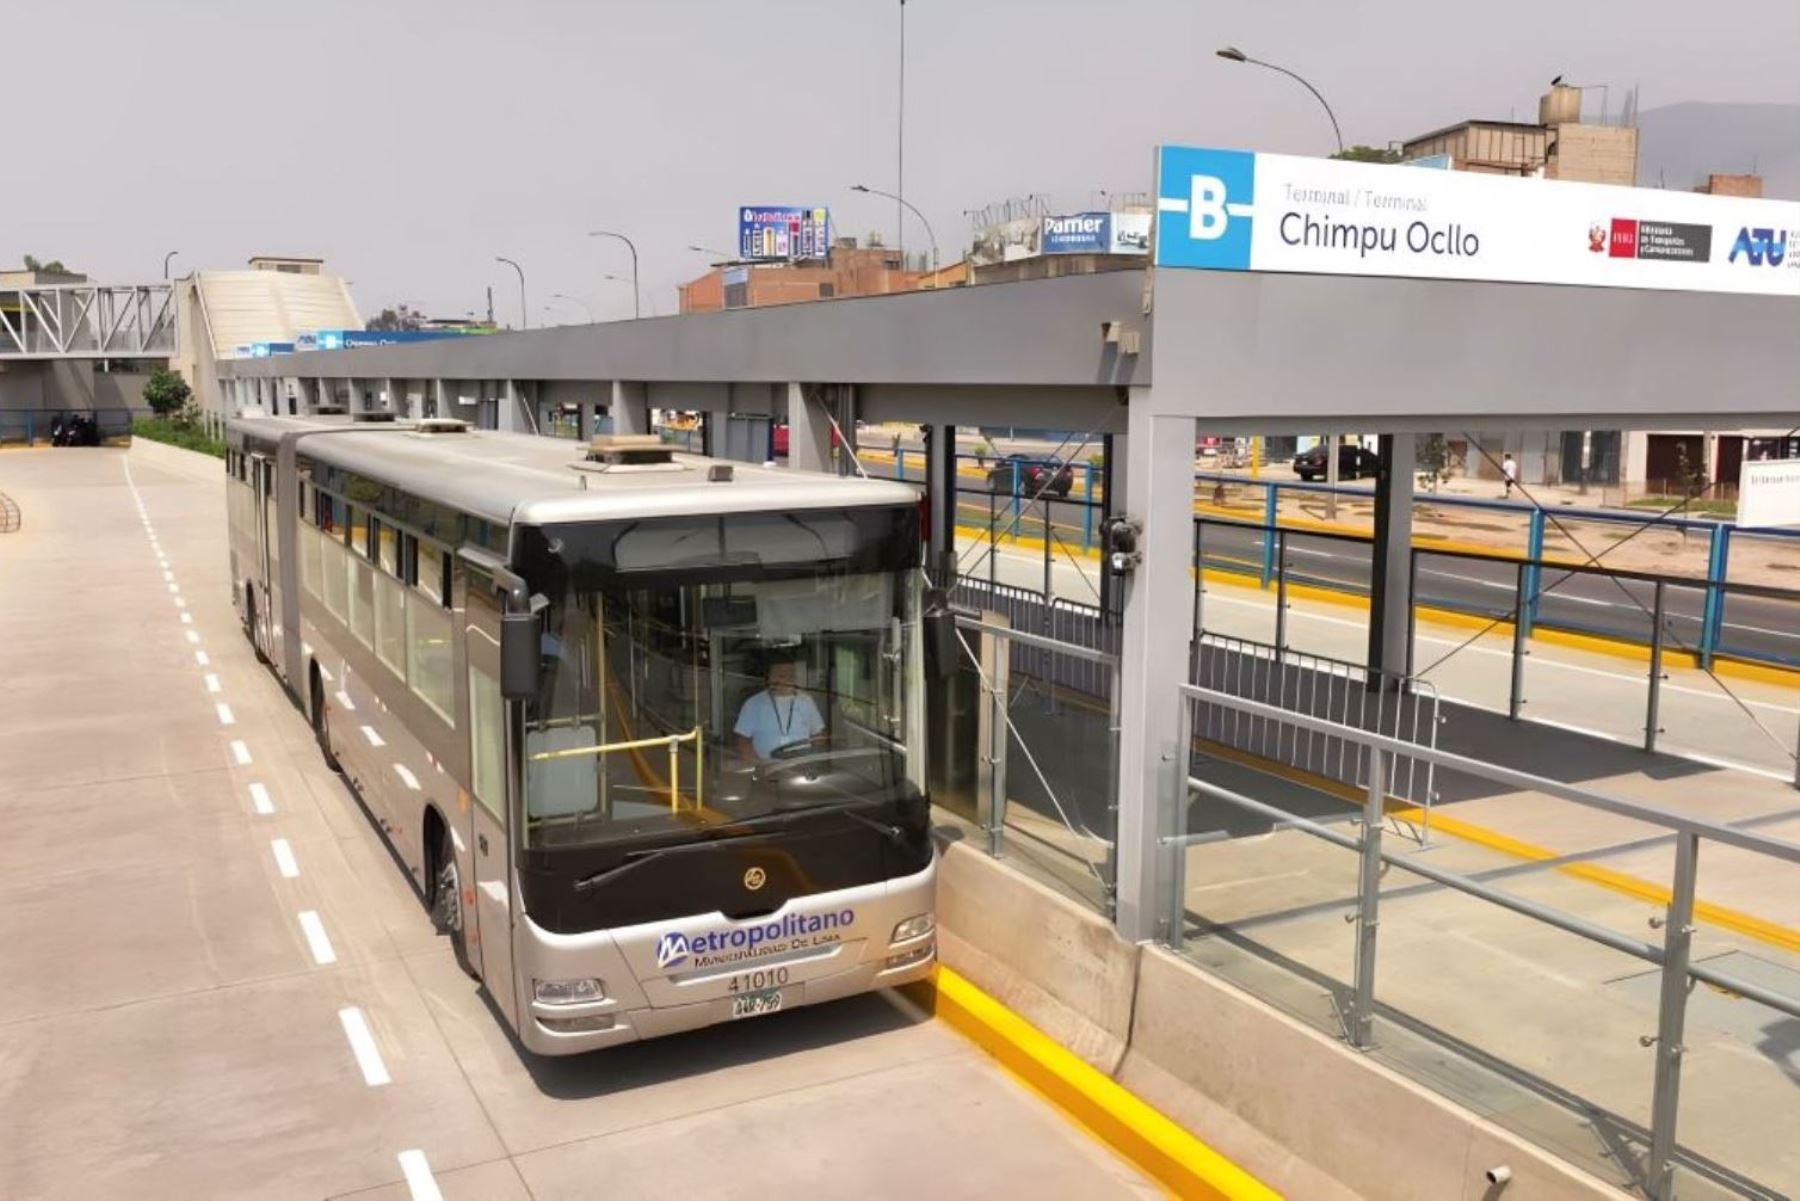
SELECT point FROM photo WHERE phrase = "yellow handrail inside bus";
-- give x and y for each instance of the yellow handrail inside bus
(672, 741)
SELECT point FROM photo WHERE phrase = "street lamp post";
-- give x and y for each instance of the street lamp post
(900, 148)
(637, 309)
(721, 255)
(1233, 54)
(914, 211)
(575, 300)
(166, 259)
(524, 313)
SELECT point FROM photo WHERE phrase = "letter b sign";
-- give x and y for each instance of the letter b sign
(1204, 208)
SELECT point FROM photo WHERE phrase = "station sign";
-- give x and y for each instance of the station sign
(1233, 210)
(782, 233)
(1769, 493)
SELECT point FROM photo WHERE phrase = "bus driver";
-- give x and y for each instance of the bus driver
(780, 715)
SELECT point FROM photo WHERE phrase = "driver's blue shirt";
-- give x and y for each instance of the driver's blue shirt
(771, 722)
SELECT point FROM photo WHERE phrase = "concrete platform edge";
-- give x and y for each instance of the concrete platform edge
(1286, 1107)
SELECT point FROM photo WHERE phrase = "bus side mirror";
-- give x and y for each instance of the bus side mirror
(519, 656)
(942, 655)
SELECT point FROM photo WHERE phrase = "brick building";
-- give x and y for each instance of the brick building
(848, 270)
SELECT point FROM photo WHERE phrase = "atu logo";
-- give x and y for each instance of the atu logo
(1761, 247)
(1203, 201)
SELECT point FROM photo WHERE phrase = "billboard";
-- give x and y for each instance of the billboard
(1232, 210)
(1130, 234)
(1007, 242)
(350, 339)
(1769, 493)
(1078, 233)
(783, 232)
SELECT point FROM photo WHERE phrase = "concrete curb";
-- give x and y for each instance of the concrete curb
(1157, 1146)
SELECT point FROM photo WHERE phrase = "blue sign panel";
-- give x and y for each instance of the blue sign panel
(1204, 206)
(782, 232)
(1078, 233)
(347, 339)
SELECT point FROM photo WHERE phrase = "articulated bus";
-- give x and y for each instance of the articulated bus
(646, 728)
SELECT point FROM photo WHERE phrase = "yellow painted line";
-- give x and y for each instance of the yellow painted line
(1159, 1147)
(1724, 917)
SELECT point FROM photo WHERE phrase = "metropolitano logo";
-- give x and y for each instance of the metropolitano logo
(1203, 208)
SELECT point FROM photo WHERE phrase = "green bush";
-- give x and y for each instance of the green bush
(178, 431)
(167, 393)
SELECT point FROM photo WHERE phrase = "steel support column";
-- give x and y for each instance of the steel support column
(940, 490)
(1390, 562)
(809, 430)
(1158, 593)
(629, 408)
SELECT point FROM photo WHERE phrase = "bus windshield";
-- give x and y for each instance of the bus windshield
(724, 668)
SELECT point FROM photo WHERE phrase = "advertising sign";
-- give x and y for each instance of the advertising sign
(783, 232)
(1007, 242)
(1130, 234)
(1231, 210)
(1078, 233)
(1769, 493)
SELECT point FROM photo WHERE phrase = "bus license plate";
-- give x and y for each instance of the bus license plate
(754, 1004)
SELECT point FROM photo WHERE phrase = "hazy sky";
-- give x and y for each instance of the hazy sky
(408, 143)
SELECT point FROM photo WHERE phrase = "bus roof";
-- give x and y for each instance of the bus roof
(535, 480)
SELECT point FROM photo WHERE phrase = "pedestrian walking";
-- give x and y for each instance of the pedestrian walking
(1509, 471)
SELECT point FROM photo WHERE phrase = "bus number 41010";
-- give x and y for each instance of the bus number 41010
(773, 977)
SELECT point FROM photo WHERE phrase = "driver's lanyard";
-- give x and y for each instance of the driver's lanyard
(775, 703)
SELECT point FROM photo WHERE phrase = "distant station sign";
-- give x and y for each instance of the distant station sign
(1232, 210)
(783, 233)
(350, 339)
(1769, 493)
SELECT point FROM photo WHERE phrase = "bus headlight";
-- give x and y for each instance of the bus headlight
(913, 927)
(568, 992)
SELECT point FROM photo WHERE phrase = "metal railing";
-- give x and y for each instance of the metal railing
(1678, 970)
(999, 733)
(1345, 694)
(672, 741)
(1663, 613)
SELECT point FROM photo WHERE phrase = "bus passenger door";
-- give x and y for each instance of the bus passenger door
(484, 824)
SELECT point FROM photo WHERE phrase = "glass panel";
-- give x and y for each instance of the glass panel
(337, 581)
(799, 691)
(309, 559)
(390, 548)
(428, 661)
(487, 741)
(390, 622)
(431, 572)
(362, 601)
(359, 531)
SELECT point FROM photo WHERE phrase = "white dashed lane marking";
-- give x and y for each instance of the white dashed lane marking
(362, 1045)
(316, 940)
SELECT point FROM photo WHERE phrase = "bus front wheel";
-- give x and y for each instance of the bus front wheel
(447, 900)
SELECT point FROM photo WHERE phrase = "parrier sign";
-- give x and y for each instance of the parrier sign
(1231, 210)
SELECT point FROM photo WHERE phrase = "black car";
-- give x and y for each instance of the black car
(1034, 477)
(1354, 462)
